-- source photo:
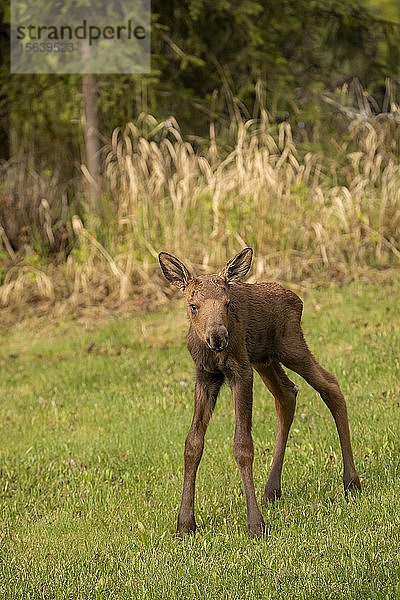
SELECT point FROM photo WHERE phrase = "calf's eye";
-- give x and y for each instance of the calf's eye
(193, 308)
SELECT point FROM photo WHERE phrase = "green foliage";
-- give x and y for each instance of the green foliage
(386, 9)
(4, 261)
(92, 426)
(80, 254)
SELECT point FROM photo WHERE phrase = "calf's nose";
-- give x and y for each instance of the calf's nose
(218, 340)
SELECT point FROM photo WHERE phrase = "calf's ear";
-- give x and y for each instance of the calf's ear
(238, 266)
(174, 270)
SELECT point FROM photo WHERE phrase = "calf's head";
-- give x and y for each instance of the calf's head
(208, 296)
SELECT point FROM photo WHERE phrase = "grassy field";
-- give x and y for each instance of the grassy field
(93, 418)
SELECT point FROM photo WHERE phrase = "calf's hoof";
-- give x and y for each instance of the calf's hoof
(351, 484)
(185, 527)
(256, 528)
(270, 495)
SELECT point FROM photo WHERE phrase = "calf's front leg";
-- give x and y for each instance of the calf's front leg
(206, 391)
(243, 450)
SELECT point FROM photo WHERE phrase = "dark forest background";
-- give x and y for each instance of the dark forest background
(103, 171)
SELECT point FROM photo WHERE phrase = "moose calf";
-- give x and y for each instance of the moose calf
(234, 328)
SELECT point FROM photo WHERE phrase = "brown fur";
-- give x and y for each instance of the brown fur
(235, 328)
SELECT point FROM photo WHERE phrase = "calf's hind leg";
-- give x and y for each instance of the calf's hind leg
(300, 359)
(284, 392)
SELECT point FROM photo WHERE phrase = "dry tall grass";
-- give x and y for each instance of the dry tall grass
(307, 216)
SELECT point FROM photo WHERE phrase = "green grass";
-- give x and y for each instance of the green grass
(91, 447)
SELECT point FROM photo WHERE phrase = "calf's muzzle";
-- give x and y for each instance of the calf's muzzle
(217, 339)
